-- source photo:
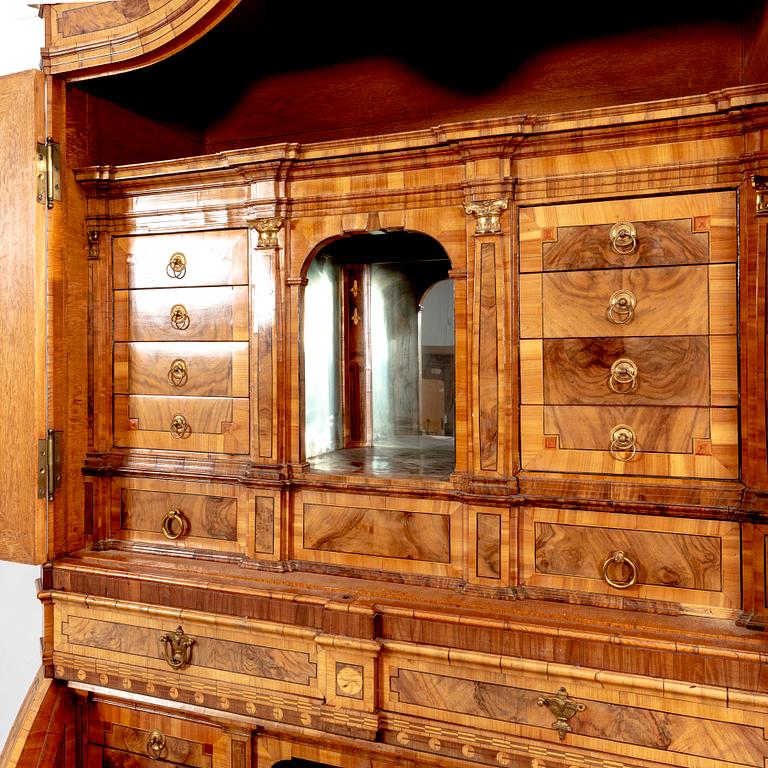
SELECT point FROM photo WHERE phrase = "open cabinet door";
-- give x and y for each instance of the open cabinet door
(22, 319)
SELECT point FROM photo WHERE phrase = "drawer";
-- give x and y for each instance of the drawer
(668, 301)
(185, 519)
(183, 314)
(181, 260)
(208, 369)
(212, 424)
(657, 243)
(669, 370)
(694, 562)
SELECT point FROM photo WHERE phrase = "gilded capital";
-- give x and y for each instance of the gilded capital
(487, 214)
(760, 183)
(267, 229)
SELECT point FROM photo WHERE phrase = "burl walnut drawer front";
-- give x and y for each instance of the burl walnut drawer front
(182, 314)
(207, 369)
(181, 260)
(693, 562)
(214, 424)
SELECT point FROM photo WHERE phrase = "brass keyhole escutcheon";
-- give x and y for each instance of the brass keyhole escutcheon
(178, 373)
(177, 648)
(175, 525)
(620, 558)
(180, 429)
(621, 307)
(623, 378)
(623, 443)
(623, 237)
(156, 746)
(177, 266)
(179, 317)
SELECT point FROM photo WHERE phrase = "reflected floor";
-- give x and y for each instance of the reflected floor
(430, 456)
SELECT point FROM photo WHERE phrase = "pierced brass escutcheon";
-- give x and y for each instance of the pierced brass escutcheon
(623, 378)
(177, 266)
(175, 525)
(621, 307)
(156, 746)
(623, 236)
(620, 558)
(563, 708)
(179, 317)
(623, 443)
(180, 429)
(178, 373)
(177, 648)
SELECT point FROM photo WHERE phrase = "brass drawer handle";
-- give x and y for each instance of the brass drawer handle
(156, 746)
(563, 707)
(177, 648)
(178, 373)
(623, 237)
(177, 266)
(623, 443)
(623, 378)
(179, 317)
(174, 525)
(620, 558)
(180, 429)
(621, 307)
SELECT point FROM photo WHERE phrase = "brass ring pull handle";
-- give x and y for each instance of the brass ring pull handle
(620, 558)
(623, 443)
(180, 429)
(621, 307)
(178, 373)
(175, 525)
(156, 746)
(177, 648)
(179, 317)
(623, 378)
(623, 237)
(177, 266)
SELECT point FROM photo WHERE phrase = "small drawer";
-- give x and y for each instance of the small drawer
(626, 244)
(181, 260)
(657, 301)
(186, 519)
(210, 424)
(669, 370)
(207, 369)
(668, 559)
(183, 314)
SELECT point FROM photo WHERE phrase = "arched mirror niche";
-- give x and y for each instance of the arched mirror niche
(378, 351)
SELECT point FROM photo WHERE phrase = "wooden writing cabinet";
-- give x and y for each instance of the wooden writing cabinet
(381, 418)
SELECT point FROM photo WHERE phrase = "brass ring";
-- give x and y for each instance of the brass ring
(179, 317)
(623, 236)
(175, 525)
(620, 558)
(156, 745)
(178, 373)
(177, 266)
(180, 429)
(623, 373)
(621, 307)
(623, 443)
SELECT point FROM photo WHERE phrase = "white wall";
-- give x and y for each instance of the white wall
(21, 37)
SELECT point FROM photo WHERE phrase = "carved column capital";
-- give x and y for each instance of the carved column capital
(760, 183)
(93, 244)
(487, 214)
(267, 228)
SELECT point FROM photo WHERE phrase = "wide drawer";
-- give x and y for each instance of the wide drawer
(670, 370)
(214, 424)
(176, 260)
(208, 369)
(693, 562)
(667, 301)
(182, 314)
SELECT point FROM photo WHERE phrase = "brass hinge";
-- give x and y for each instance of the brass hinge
(49, 465)
(48, 172)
